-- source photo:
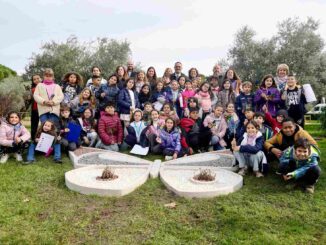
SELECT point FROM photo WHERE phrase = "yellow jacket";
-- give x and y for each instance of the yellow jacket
(277, 139)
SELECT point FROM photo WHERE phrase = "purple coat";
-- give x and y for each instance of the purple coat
(170, 141)
(271, 104)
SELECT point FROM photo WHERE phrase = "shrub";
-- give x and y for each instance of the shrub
(12, 93)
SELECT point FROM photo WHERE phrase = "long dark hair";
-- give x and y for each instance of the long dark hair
(263, 85)
(211, 94)
(174, 124)
(235, 76)
(53, 130)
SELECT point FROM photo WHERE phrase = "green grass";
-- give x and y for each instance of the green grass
(37, 208)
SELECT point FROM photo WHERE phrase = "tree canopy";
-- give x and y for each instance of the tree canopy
(296, 44)
(73, 55)
(6, 72)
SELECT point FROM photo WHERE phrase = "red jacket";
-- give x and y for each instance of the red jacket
(186, 125)
(275, 125)
(110, 129)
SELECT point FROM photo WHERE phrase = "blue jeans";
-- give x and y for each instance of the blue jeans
(51, 117)
(216, 144)
(31, 152)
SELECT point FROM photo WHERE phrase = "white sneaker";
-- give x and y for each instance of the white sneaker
(168, 158)
(4, 158)
(18, 157)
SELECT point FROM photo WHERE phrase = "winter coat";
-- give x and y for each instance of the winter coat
(205, 101)
(186, 94)
(124, 101)
(9, 132)
(295, 101)
(110, 129)
(70, 92)
(218, 131)
(273, 104)
(170, 140)
(243, 102)
(276, 126)
(302, 166)
(111, 95)
(41, 95)
(189, 129)
(131, 138)
(78, 109)
(163, 96)
(224, 97)
(251, 149)
(282, 141)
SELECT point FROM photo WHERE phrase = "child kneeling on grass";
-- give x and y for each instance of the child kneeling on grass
(300, 162)
(47, 127)
(14, 137)
(110, 129)
(249, 149)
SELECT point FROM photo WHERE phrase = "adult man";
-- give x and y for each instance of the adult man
(130, 69)
(177, 71)
(217, 73)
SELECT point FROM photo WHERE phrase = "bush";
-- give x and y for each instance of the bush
(323, 119)
(12, 94)
(6, 72)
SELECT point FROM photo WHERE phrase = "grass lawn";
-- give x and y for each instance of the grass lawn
(37, 208)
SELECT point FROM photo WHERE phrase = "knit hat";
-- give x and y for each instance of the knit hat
(283, 113)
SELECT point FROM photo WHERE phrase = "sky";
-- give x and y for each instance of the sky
(196, 32)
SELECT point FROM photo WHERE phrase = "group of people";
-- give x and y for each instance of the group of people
(175, 115)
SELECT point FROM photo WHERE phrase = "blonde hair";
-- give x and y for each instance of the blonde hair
(283, 67)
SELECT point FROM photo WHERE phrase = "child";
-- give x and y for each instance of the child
(153, 131)
(275, 123)
(232, 121)
(192, 103)
(14, 137)
(182, 80)
(65, 120)
(88, 125)
(169, 140)
(95, 85)
(205, 98)
(109, 129)
(187, 93)
(47, 127)
(80, 103)
(245, 100)
(71, 86)
(176, 97)
(235, 81)
(161, 95)
(144, 95)
(36, 79)
(266, 131)
(167, 111)
(226, 95)
(213, 80)
(140, 81)
(48, 96)
(217, 125)
(268, 95)
(108, 93)
(281, 76)
(137, 130)
(127, 101)
(248, 150)
(190, 131)
(241, 129)
(295, 100)
(300, 162)
(147, 112)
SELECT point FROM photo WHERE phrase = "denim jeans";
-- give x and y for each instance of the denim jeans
(31, 152)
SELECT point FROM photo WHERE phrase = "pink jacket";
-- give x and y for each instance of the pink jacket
(218, 131)
(9, 132)
(186, 94)
(204, 100)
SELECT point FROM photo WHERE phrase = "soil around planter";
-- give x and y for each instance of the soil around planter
(107, 175)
